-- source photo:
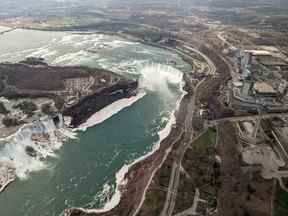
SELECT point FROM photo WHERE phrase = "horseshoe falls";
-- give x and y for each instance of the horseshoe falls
(82, 172)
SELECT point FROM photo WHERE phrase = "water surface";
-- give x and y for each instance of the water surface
(83, 171)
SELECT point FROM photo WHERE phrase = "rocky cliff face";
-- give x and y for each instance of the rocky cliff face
(97, 101)
(77, 91)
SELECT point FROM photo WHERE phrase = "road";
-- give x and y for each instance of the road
(188, 130)
(193, 209)
(190, 48)
(209, 62)
(246, 118)
(175, 174)
(171, 196)
(223, 39)
(177, 139)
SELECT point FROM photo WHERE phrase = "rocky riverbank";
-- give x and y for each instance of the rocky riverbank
(7, 177)
(32, 96)
(75, 91)
(86, 107)
(138, 176)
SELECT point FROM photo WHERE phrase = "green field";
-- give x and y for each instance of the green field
(200, 172)
(207, 139)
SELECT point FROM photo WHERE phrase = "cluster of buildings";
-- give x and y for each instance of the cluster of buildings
(260, 82)
(260, 86)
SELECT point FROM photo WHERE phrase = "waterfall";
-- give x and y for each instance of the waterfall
(158, 77)
(26, 150)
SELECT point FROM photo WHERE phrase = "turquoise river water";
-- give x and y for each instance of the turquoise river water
(82, 172)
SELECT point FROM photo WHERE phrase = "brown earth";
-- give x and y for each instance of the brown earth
(241, 193)
(140, 173)
(89, 89)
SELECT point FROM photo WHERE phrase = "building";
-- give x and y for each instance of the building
(246, 89)
(264, 89)
(244, 60)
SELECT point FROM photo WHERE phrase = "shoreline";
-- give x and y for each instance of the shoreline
(124, 36)
(121, 179)
(105, 113)
(167, 152)
(121, 175)
(109, 111)
(125, 176)
(6, 184)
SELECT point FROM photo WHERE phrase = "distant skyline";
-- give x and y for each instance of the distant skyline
(16, 8)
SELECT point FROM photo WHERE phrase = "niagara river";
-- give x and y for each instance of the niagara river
(82, 171)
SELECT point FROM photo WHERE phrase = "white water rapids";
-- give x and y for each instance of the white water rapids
(119, 135)
(13, 149)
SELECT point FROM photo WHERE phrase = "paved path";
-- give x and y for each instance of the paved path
(175, 174)
(248, 117)
(193, 209)
(176, 169)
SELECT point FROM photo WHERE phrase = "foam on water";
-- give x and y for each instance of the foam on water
(109, 53)
(120, 175)
(154, 77)
(43, 52)
(13, 151)
(109, 111)
(71, 58)
(68, 39)
(121, 43)
(3, 28)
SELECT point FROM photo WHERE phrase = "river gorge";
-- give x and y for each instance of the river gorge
(83, 171)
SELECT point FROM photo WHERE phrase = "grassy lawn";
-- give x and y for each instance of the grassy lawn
(198, 163)
(205, 141)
